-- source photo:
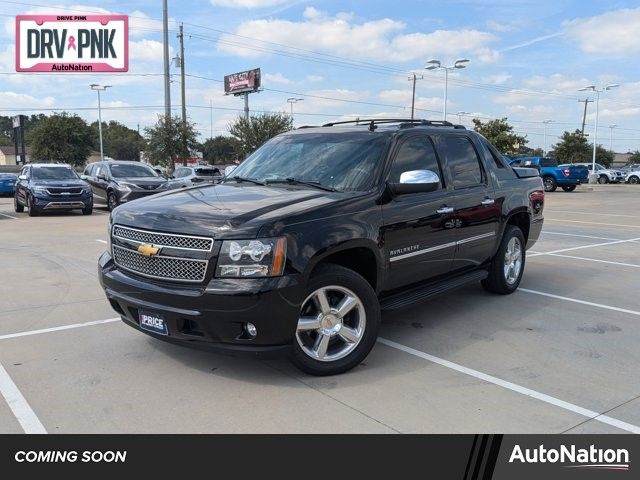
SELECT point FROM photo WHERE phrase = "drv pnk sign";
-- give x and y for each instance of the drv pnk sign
(72, 43)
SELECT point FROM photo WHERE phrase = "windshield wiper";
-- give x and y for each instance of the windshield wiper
(250, 180)
(296, 181)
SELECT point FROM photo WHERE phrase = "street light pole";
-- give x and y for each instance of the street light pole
(611, 127)
(291, 101)
(544, 150)
(437, 65)
(100, 88)
(593, 177)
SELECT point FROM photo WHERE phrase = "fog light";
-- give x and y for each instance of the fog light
(251, 329)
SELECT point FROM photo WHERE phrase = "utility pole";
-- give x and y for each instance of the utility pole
(586, 101)
(211, 117)
(413, 77)
(165, 44)
(182, 91)
(100, 88)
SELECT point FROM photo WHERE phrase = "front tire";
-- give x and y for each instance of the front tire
(112, 201)
(507, 267)
(88, 210)
(16, 205)
(339, 322)
(634, 179)
(568, 188)
(33, 210)
(602, 179)
(550, 184)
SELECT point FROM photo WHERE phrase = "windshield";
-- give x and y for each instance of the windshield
(207, 172)
(53, 173)
(345, 161)
(122, 170)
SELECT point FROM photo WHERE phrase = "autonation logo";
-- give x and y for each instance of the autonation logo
(573, 457)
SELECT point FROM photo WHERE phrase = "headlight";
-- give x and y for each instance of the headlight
(40, 189)
(126, 185)
(252, 258)
(86, 189)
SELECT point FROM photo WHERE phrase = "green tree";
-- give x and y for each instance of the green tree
(5, 141)
(169, 140)
(634, 158)
(220, 149)
(573, 147)
(253, 132)
(6, 126)
(603, 156)
(61, 138)
(501, 135)
(119, 141)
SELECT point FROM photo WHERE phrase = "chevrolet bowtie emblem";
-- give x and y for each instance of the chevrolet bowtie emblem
(148, 250)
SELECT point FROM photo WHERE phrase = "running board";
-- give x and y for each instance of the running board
(423, 292)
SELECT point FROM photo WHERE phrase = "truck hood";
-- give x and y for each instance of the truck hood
(226, 210)
(59, 183)
(142, 182)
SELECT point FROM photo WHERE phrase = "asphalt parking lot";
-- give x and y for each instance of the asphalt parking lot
(559, 355)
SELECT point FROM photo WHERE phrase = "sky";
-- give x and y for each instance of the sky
(348, 59)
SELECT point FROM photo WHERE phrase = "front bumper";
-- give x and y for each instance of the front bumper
(62, 202)
(210, 316)
(125, 196)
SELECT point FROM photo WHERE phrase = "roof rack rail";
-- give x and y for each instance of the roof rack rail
(404, 123)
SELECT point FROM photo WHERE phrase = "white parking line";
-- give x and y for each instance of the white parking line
(515, 387)
(57, 329)
(621, 264)
(581, 236)
(101, 241)
(9, 216)
(583, 246)
(583, 302)
(591, 213)
(19, 406)
(546, 219)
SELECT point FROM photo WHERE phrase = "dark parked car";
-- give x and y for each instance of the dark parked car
(318, 230)
(7, 183)
(117, 181)
(194, 175)
(45, 186)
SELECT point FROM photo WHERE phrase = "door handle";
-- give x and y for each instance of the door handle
(488, 201)
(443, 210)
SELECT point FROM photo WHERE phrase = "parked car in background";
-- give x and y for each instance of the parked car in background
(45, 186)
(7, 183)
(633, 176)
(554, 175)
(117, 181)
(605, 175)
(194, 175)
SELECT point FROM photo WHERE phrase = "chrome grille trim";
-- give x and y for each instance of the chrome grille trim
(160, 267)
(160, 239)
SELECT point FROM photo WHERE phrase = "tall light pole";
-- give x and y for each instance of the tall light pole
(545, 123)
(413, 77)
(100, 88)
(436, 65)
(293, 100)
(165, 55)
(593, 177)
(460, 116)
(611, 127)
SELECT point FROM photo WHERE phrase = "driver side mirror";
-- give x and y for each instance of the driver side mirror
(415, 181)
(102, 176)
(22, 177)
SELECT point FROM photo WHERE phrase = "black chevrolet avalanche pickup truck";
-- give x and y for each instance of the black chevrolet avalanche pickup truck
(315, 233)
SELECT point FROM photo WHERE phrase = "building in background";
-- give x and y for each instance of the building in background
(8, 155)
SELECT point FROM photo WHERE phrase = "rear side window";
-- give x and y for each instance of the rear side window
(548, 162)
(89, 169)
(182, 172)
(463, 161)
(415, 153)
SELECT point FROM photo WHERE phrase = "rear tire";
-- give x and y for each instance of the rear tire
(336, 337)
(568, 188)
(16, 205)
(550, 184)
(602, 179)
(507, 267)
(634, 179)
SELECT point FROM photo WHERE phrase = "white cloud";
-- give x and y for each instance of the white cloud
(246, 3)
(146, 51)
(613, 33)
(314, 78)
(381, 40)
(21, 100)
(497, 79)
(403, 98)
(277, 78)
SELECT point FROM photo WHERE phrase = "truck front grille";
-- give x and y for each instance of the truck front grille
(185, 242)
(159, 266)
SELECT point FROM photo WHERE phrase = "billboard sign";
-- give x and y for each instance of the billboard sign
(72, 43)
(242, 82)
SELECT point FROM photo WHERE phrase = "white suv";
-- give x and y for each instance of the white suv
(605, 175)
(633, 176)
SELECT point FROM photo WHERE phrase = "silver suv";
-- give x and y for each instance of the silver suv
(605, 175)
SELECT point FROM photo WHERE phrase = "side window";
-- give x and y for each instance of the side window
(415, 153)
(98, 170)
(183, 172)
(463, 161)
(89, 168)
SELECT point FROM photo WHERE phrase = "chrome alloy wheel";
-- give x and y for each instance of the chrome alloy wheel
(331, 324)
(513, 261)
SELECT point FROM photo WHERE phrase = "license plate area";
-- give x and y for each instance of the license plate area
(153, 322)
